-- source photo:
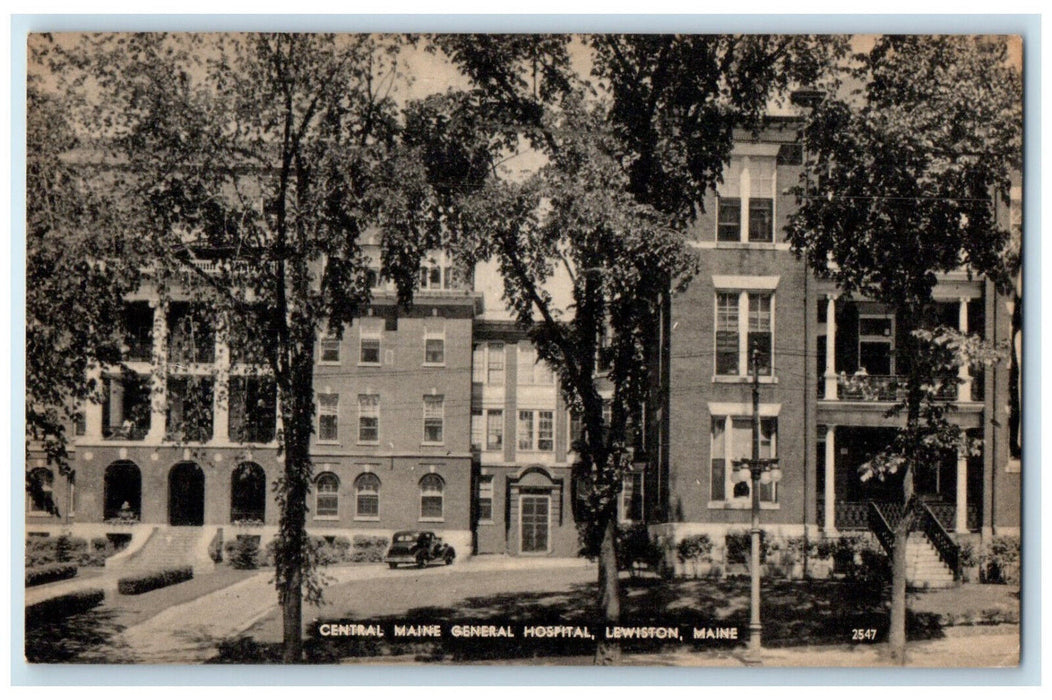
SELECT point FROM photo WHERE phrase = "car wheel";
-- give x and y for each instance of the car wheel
(450, 556)
(392, 565)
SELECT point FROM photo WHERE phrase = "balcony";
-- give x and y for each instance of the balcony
(883, 388)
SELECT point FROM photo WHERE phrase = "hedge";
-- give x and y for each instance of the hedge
(64, 605)
(134, 585)
(38, 575)
(62, 549)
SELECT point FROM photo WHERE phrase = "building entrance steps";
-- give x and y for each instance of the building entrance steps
(168, 547)
(924, 568)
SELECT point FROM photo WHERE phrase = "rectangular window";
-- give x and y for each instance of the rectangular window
(434, 417)
(485, 499)
(329, 351)
(727, 335)
(632, 497)
(494, 429)
(729, 219)
(876, 344)
(760, 330)
(190, 408)
(495, 364)
(545, 431)
(533, 370)
(370, 349)
(434, 351)
(761, 220)
(328, 417)
(525, 431)
(368, 418)
(731, 446)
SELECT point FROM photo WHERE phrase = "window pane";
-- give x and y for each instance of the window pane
(761, 220)
(727, 336)
(485, 498)
(495, 364)
(330, 350)
(729, 221)
(433, 418)
(525, 430)
(478, 364)
(545, 431)
(435, 351)
(327, 503)
(370, 351)
(494, 429)
(478, 430)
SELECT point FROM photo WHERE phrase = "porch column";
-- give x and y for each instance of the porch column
(159, 372)
(221, 391)
(92, 410)
(962, 493)
(830, 375)
(964, 372)
(830, 492)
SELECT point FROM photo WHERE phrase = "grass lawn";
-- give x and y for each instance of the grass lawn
(82, 637)
(794, 612)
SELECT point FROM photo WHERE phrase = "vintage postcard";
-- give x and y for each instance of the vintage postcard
(694, 350)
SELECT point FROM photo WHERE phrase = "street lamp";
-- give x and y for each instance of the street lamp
(757, 471)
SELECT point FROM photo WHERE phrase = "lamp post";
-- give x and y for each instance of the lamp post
(757, 471)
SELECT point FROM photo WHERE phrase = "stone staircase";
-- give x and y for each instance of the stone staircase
(168, 547)
(924, 567)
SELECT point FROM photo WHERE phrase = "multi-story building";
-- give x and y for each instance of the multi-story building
(828, 375)
(442, 418)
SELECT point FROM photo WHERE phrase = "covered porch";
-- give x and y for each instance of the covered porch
(951, 489)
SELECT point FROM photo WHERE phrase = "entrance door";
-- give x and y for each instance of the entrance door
(186, 495)
(534, 523)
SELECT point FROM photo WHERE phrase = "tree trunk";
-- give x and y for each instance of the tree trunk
(608, 652)
(897, 629)
(292, 617)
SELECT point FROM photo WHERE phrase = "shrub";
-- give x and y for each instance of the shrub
(369, 548)
(142, 583)
(857, 558)
(967, 556)
(63, 549)
(695, 548)
(64, 605)
(245, 553)
(40, 551)
(49, 572)
(634, 545)
(739, 547)
(1001, 560)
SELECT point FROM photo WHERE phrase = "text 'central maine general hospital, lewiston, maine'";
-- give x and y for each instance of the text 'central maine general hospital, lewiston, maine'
(441, 418)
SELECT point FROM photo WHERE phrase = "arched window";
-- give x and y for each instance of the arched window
(41, 499)
(367, 497)
(431, 488)
(327, 503)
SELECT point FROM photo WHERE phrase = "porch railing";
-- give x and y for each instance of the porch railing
(943, 542)
(854, 515)
(878, 388)
(879, 526)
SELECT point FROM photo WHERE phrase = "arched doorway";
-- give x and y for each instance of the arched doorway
(122, 491)
(248, 492)
(186, 494)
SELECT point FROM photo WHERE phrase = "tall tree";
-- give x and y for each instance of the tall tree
(79, 266)
(629, 157)
(903, 176)
(254, 166)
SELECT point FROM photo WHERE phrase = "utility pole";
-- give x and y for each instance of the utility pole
(755, 627)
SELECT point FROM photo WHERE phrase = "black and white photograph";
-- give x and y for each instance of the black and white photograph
(694, 350)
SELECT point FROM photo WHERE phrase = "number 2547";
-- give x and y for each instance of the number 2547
(863, 634)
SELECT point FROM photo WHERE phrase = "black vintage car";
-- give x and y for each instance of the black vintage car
(418, 548)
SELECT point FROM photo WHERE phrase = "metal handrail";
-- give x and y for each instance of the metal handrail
(879, 526)
(943, 542)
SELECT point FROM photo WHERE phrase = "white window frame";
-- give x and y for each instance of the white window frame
(46, 487)
(534, 433)
(368, 411)
(431, 494)
(440, 401)
(439, 335)
(326, 474)
(744, 364)
(334, 412)
(888, 340)
(358, 493)
(730, 500)
(742, 169)
(531, 369)
(498, 413)
(490, 356)
(371, 334)
(328, 341)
